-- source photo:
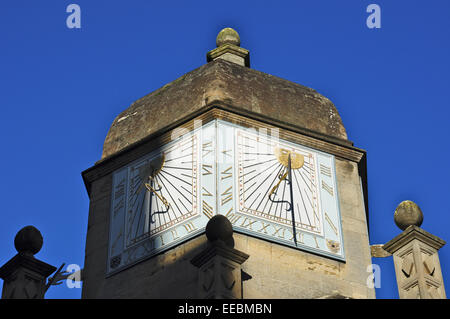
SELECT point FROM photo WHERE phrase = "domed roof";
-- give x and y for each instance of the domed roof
(242, 89)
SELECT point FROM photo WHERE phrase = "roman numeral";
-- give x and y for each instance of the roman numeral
(208, 210)
(299, 237)
(174, 234)
(226, 153)
(120, 189)
(227, 173)
(317, 244)
(119, 205)
(206, 193)
(227, 196)
(264, 227)
(249, 224)
(325, 170)
(135, 185)
(113, 246)
(207, 169)
(206, 148)
(161, 238)
(279, 231)
(333, 227)
(232, 217)
(328, 188)
(190, 227)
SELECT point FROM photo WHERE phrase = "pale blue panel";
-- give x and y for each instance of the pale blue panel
(326, 239)
(117, 218)
(183, 221)
(208, 170)
(225, 168)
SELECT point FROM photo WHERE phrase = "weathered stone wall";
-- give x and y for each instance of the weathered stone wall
(282, 272)
(168, 275)
(277, 271)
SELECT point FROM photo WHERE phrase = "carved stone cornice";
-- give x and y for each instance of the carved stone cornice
(217, 249)
(411, 233)
(230, 49)
(28, 262)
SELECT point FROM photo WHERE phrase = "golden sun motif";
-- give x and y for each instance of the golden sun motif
(282, 154)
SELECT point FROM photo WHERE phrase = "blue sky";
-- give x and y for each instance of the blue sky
(61, 88)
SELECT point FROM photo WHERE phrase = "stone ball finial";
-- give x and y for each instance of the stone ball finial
(408, 213)
(228, 36)
(219, 227)
(28, 240)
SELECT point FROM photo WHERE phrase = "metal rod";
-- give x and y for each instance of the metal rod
(292, 198)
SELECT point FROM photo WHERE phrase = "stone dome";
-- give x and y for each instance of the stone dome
(241, 89)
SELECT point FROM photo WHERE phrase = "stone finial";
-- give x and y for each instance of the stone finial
(24, 276)
(28, 240)
(220, 272)
(220, 228)
(228, 48)
(416, 261)
(415, 254)
(408, 213)
(228, 36)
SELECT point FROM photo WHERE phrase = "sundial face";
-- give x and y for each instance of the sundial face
(287, 193)
(267, 187)
(155, 202)
(263, 171)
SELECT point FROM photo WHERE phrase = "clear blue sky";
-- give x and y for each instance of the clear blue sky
(60, 89)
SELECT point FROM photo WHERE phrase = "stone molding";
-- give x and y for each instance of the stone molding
(232, 49)
(219, 250)
(411, 233)
(25, 277)
(26, 261)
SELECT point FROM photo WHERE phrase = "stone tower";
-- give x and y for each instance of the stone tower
(270, 155)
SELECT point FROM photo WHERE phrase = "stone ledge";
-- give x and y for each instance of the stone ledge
(411, 233)
(219, 250)
(25, 261)
(229, 48)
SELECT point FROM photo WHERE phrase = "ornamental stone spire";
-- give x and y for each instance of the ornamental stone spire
(415, 253)
(219, 266)
(228, 48)
(25, 276)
